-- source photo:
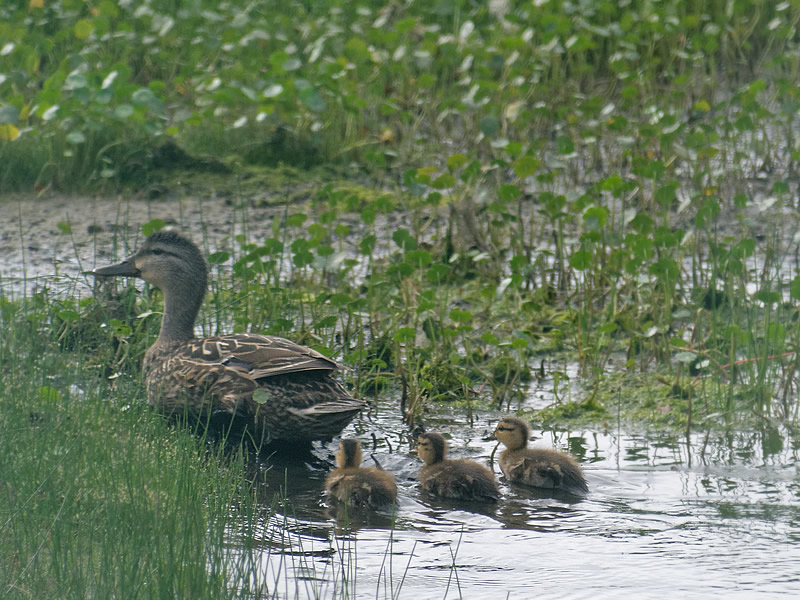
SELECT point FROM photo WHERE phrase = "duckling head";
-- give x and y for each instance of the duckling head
(431, 448)
(513, 433)
(349, 454)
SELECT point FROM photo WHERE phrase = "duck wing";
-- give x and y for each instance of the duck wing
(254, 356)
(231, 368)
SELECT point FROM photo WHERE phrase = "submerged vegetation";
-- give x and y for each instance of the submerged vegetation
(502, 193)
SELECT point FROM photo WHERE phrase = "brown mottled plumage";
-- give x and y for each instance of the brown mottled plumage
(354, 485)
(536, 467)
(458, 479)
(283, 390)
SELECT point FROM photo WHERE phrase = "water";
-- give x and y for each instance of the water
(717, 514)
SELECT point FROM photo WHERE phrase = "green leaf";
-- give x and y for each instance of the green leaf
(261, 396)
(437, 273)
(49, 394)
(68, 315)
(76, 137)
(685, 357)
(146, 98)
(296, 219)
(405, 335)
(564, 145)
(357, 50)
(64, 227)
(419, 258)
(217, 258)
(768, 296)
(444, 181)
(795, 288)
(580, 260)
(152, 226)
(489, 126)
(509, 192)
(519, 343)
(340, 299)
(325, 322)
(456, 161)
(367, 245)
(460, 316)
(490, 339)
(526, 166)
(404, 239)
(83, 29)
(123, 111)
(122, 330)
(312, 99)
(9, 115)
(75, 81)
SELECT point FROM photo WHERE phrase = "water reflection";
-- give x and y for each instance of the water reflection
(714, 513)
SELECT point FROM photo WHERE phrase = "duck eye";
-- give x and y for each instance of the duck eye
(157, 251)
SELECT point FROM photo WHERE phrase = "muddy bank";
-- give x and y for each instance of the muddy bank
(62, 236)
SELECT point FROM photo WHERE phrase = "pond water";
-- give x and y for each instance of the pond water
(716, 514)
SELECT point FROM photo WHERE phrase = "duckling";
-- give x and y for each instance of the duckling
(458, 479)
(536, 467)
(354, 485)
(281, 390)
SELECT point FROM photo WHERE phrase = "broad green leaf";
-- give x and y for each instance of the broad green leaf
(525, 166)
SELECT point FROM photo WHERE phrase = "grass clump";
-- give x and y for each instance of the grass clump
(99, 497)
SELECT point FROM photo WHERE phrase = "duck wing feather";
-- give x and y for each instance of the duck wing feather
(254, 356)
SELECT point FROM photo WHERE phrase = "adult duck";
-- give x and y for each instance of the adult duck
(282, 390)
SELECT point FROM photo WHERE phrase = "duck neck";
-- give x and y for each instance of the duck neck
(180, 311)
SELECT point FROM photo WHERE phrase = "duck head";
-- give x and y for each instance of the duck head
(166, 260)
(175, 265)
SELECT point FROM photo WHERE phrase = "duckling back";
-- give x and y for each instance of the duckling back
(460, 480)
(363, 487)
(541, 468)
(355, 486)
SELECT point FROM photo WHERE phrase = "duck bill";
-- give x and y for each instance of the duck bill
(126, 268)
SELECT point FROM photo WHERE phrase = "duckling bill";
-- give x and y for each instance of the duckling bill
(540, 468)
(457, 479)
(283, 390)
(358, 486)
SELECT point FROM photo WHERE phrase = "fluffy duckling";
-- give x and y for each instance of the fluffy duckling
(536, 467)
(359, 486)
(458, 479)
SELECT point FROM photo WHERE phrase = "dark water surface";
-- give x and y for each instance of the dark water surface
(715, 515)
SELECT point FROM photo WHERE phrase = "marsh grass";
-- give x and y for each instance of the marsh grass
(100, 497)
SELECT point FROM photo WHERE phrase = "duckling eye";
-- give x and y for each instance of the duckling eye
(157, 251)
(504, 428)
